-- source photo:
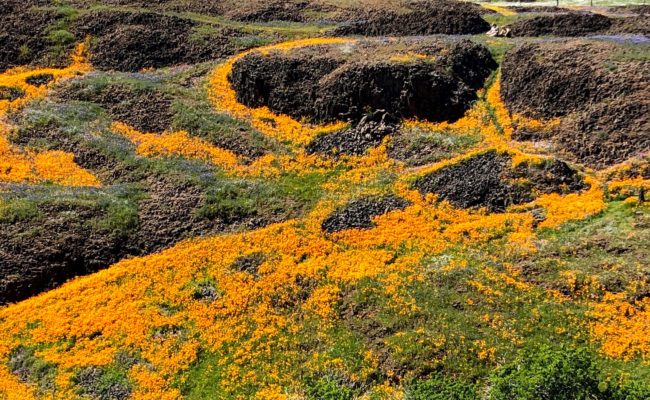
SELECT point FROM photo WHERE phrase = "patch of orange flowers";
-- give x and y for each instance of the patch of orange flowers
(24, 165)
(623, 327)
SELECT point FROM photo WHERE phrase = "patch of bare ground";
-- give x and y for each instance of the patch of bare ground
(358, 213)
(599, 89)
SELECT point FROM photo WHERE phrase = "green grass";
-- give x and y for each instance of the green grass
(30, 368)
(107, 382)
(503, 20)
(288, 196)
(204, 379)
(439, 387)
(419, 147)
(18, 210)
(434, 348)
(610, 247)
(631, 52)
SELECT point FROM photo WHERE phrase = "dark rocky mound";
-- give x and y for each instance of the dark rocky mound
(46, 252)
(137, 3)
(145, 109)
(72, 239)
(39, 79)
(358, 214)
(325, 83)
(169, 213)
(569, 24)
(22, 37)
(292, 11)
(638, 25)
(600, 90)
(631, 9)
(208, 7)
(488, 180)
(607, 133)
(420, 18)
(537, 9)
(132, 41)
(286, 83)
(368, 133)
(10, 93)
(141, 209)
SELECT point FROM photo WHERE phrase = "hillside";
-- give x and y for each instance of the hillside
(323, 200)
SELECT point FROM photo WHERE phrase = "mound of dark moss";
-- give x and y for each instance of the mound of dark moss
(326, 83)
(418, 18)
(127, 41)
(358, 214)
(599, 89)
(368, 133)
(488, 180)
(569, 24)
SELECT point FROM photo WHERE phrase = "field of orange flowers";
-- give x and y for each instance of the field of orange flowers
(428, 288)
